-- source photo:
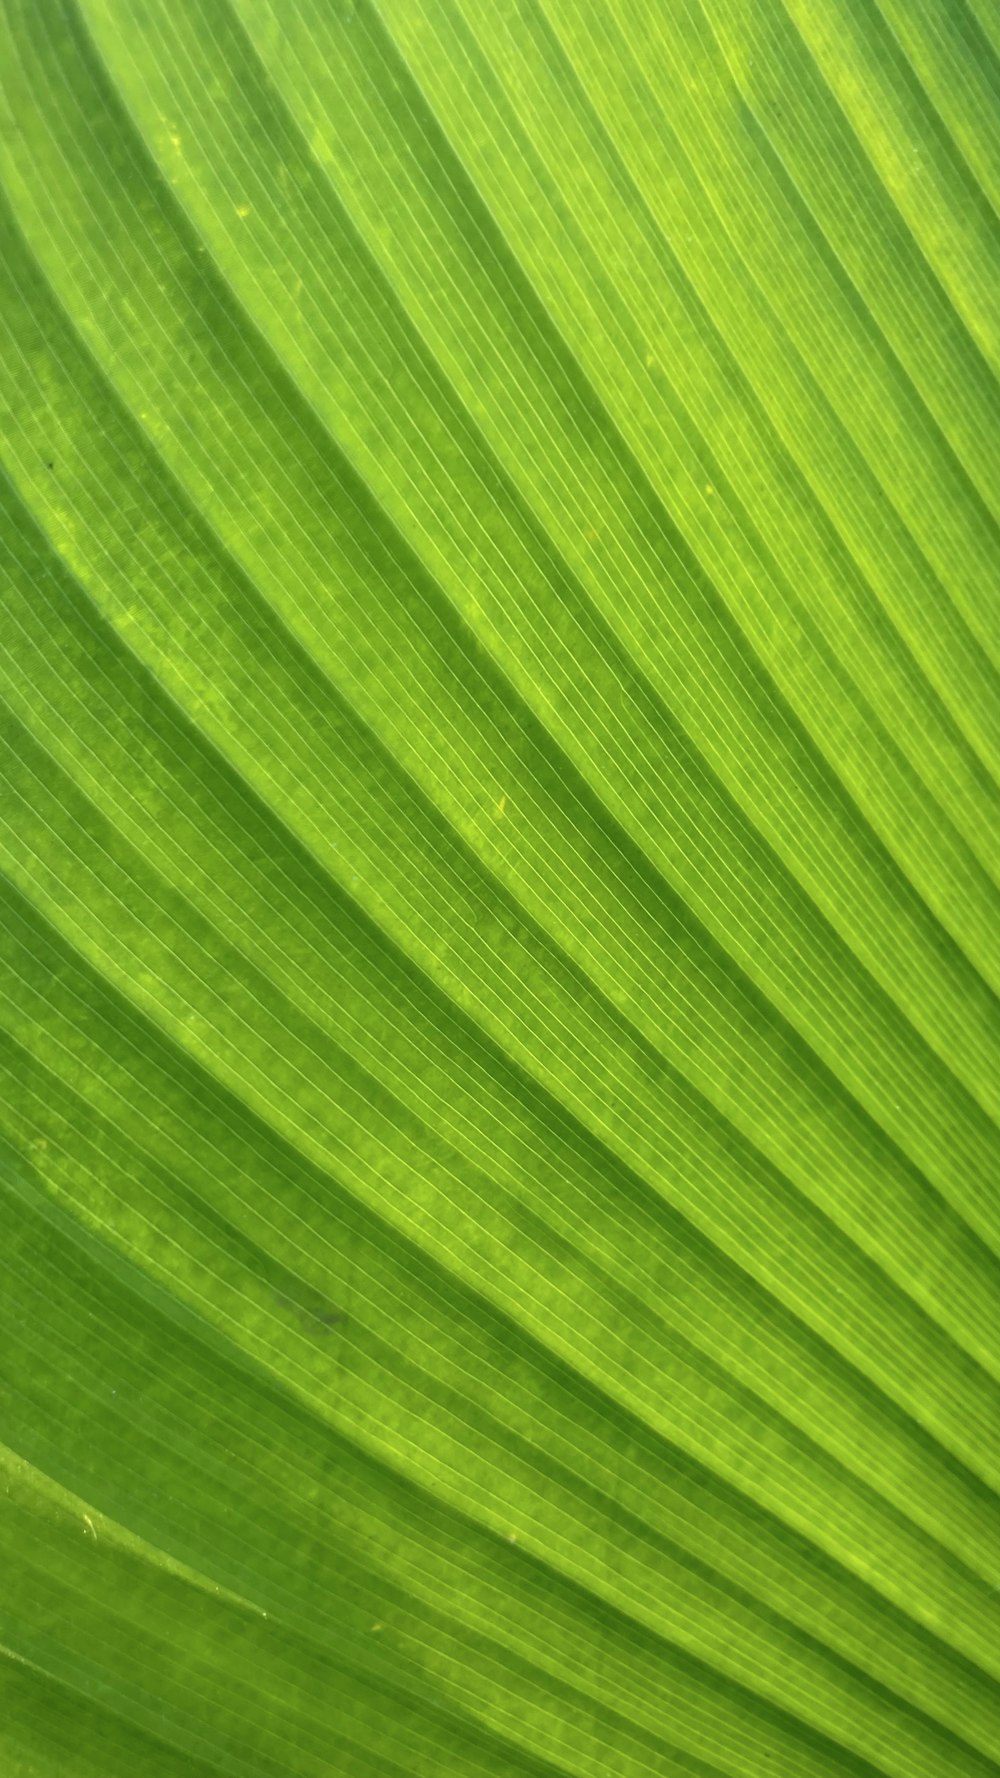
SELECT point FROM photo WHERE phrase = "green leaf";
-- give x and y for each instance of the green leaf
(500, 827)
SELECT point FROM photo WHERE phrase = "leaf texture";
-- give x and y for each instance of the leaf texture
(500, 832)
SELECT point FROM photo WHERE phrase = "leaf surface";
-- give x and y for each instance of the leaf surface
(500, 847)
